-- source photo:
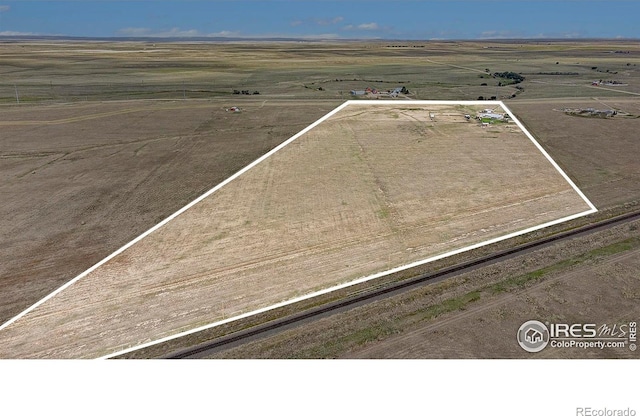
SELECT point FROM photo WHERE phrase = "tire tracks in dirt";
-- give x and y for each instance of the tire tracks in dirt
(276, 326)
(403, 348)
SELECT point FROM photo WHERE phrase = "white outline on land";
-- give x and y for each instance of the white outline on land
(333, 288)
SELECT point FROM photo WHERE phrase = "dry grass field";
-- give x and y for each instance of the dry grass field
(600, 154)
(80, 180)
(486, 329)
(369, 189)
(477, 314)
(78, 71)
(111, 137)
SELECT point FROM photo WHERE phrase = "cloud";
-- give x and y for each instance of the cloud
(500, 34)
(507, 34)
(572, 35)
(224, 34)
(296, 23)
(368, 26)
(12, 33)
(363, 26)
(312, 36)
(146, 32)
(173, 33)
(4, 9)
(177, 33)
(321, 36)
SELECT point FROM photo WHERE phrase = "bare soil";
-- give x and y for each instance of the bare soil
(372, 188)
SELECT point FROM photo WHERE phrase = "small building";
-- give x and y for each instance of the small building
(400, 90)
(358, 92)
(493, 116)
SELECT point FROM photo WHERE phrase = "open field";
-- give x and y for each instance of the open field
(452, 320)
(582, 294)
(67, 71)
(601, 155)
(468, 318)
(369, 189)
(477, 314)
(81, 180)
(107, 170)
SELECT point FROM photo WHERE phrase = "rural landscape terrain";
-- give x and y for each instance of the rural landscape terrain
(100, 141)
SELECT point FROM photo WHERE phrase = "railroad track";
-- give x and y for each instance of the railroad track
(289, 322)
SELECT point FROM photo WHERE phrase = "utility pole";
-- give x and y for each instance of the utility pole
(17, 96)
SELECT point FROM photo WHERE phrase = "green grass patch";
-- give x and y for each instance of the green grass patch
(616, 248)
(359, 337)
(383, 213)
(383, 328)
(595, 254)
(492, 120)
(517, 281)
(450, 305)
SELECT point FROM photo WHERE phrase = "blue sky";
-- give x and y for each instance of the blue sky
(324, 19)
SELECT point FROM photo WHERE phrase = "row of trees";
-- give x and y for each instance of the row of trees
(517, 78)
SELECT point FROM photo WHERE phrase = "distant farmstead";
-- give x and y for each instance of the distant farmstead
(493, 116)
(400, 90)
(373, 92)
(488, 115)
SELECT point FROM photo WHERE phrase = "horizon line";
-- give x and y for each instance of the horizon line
(303, 39)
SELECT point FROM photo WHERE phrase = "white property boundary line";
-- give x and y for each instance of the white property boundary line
(553, 162)
(169, 218)
(333, 288)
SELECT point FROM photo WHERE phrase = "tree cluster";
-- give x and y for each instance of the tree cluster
(517, 78)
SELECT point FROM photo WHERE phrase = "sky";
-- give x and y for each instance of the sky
(323, 19)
